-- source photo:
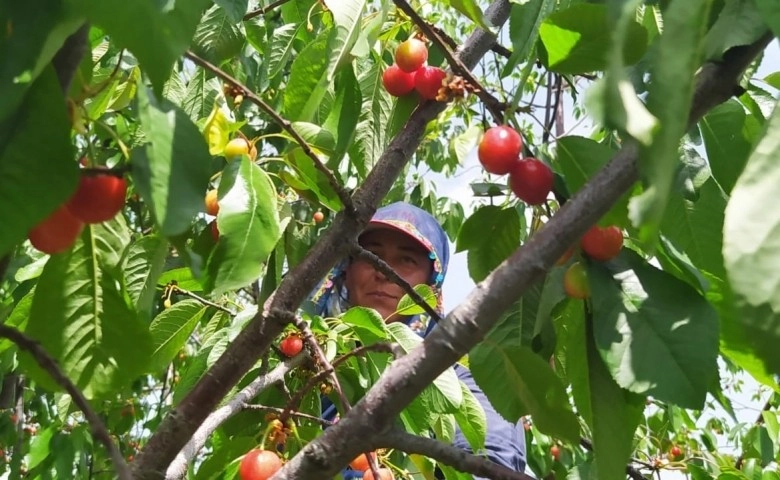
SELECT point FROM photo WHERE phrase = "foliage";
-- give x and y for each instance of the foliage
(142, 306)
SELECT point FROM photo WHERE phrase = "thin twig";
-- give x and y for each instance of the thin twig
(495, 106)
(47, 362)
(293, 403)
(202, 300)
(449, 455)
(264, 10)
(280, 411)
(342, 193)
(178, 468)
(386, 270)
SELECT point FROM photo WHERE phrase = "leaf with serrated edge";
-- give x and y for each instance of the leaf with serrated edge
(407, 306)
(171, 329)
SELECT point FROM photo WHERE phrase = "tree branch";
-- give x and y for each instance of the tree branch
(178, 468)
(47, 362)
(387, 271)
(264, 10)
(342, 193)
(174, 431)
(467, 324)
(448, 454)
(494, 106)
(68, 57)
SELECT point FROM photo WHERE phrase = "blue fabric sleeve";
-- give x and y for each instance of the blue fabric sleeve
(504, 442)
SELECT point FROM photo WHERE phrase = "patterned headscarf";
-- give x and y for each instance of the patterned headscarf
(329, 298)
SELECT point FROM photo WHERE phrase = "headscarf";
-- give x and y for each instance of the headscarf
(329, 298)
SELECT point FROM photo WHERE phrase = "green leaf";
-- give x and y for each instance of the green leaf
(34, 33)
(445, 392)
(172, 171)
(729, 133)
(344, 114)
(367, 324)
(200, 96)
(490, 235)
(370, 135)
(317, 137)
(750, 242)
(18, 318)
(519, 382)
(281, 48)
(347, 15)
(613, 414)
(212, 348)
(306, 86)
(677, 57)
(234, 9)
(579, 158)
(249, 228)
(36, 176)
(740, 23)
(143, 264)
(171, 329)
(524, 22)
(166, 34)
(472, 420)
(695, 227)
(217, 38)
(577, 39)
(311, 178)
(407, 306)
(465, 143)
(471, 9)
(80, 317)
(656, 334)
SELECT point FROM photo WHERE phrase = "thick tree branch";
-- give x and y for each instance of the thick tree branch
(178, 468)
(174, 431)
(384, 268)
(47, 362)
(494, 106)
(467, 324)
(342, 193)
(449, 455)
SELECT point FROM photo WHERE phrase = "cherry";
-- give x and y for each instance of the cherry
(675, 452)
(428, 81)
(291, 345)
(384, 474)
(499, 149)
(318, 217)
(212, 206)
(411, 55)
(57, 232)
(602, 243)
(98, 197)
(397, 82)
(259, 464)
(575, 281)
(360, 462)
(239, 146)
(531, 180)
(214, 230)
(555, 451)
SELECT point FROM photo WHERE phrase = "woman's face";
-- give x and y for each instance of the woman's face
(369, 288)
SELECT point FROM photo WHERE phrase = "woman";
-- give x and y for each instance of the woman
(415, 246)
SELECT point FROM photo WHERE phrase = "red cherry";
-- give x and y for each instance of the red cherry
(259, 464)
(428, 81)
(555, 451)
(360, 463)
(57, 232)
(384, 474)
(411, 55)
(291, 345)
(602, 244)
(318, 217)
(675, 452)
(531, 180)
(98, 197)
(499, 149)
(397, 82)
(575, 281)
